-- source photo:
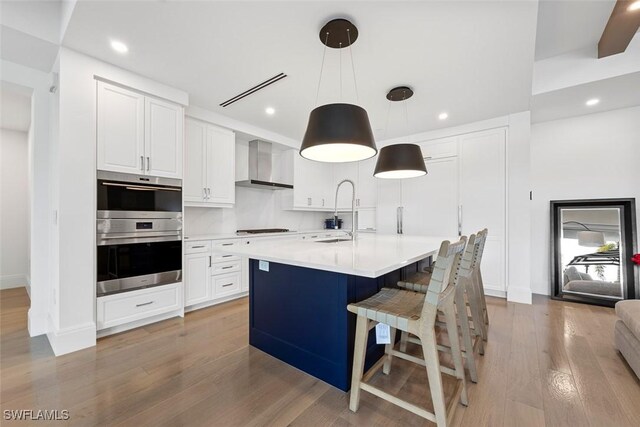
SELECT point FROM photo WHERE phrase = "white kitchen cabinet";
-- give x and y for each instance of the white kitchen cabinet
(138, 134)
(120, 121)
(163, 138)
(209, 178)
(312, 184)
(430, 202)
(483, 199)
(197, 278)
(195, 177)
(221, 164)
(367, 185)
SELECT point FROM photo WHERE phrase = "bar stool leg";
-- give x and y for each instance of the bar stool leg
(463, 320)
(359, 354)
(432, 362)
(452, 331)
(404, 338)
(386, 368)
(479, 329)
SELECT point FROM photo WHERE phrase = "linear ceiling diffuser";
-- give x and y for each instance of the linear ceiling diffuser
(254, 89)
(338, 132)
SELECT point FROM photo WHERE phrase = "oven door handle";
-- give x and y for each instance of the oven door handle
(136, 237)
(140, 188)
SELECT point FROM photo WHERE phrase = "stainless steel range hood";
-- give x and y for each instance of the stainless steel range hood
(261, 168)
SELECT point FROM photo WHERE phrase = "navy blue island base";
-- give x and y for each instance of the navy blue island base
(299, 315)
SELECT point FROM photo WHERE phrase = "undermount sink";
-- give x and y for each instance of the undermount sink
(333, 240)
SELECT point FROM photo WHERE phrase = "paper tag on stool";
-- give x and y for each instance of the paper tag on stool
(383, 335)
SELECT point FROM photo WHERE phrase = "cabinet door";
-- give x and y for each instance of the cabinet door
(197, 278)
(342, 171)
(431, 201)
(120, 130)
(195, 176)
(304, 175)
(163, 138)
(367, 184)
(483, 198)
(221, 165)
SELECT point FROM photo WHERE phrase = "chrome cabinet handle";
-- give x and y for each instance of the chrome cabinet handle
(142, 163)
(204, 193)
(308, 201)
(227, 244)
(197, 247)
(209, 261)
(227, 267)
(226, 256)
(208, 192)
(459, 220)
(148, 163)
(399, 213)
(144, 303)
(228, 284)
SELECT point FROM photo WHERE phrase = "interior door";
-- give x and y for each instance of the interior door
(195, 160)
(221, 165)
(163, 138)
(120, 132)
(431, 201)
(483, 199)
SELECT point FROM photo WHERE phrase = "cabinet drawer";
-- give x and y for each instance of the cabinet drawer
(225, 267)
(221, 245)
(222, 257)
(197, 247)
(226, 284)
(113, 310)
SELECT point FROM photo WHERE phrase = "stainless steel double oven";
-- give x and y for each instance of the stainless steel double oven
(138, 233)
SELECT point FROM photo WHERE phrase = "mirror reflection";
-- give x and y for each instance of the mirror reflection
(590, 252)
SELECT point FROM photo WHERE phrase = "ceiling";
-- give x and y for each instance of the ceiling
(613, 93)
(567, 25)
(15, 108)
(470, 59)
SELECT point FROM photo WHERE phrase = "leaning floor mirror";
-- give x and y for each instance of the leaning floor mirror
(592, 242)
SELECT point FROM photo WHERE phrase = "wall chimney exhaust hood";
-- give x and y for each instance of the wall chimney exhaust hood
(260, 169)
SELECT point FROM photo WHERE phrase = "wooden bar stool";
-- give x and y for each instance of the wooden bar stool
(466, 296)
(414, 313)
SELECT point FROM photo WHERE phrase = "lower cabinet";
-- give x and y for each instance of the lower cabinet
(197, 278)
(127, 307)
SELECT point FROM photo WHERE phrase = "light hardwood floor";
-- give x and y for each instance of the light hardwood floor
(550, 363)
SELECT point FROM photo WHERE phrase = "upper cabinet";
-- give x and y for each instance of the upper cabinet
(361, 173)
(138, 134)
(209, 178)
(312, 183)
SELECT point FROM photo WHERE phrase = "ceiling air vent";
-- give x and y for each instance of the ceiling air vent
(254, 89)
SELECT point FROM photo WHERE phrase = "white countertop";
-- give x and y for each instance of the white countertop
(372, 255)
(224, 236)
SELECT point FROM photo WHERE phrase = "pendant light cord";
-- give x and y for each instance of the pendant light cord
(353, 68)
(324, 53)
(386, 125)
(340, 53)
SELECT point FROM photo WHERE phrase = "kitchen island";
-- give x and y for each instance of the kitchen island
(299, 291)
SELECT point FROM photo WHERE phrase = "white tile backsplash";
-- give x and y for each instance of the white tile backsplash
(254, 208)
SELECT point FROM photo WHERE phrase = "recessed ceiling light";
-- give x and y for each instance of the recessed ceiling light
(119, 46)
(443, 116)
(634, 6)
(270, 111)
(592, 102)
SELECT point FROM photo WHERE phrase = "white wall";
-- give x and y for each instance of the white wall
(254, 208)
(14, 212)
(591, 156)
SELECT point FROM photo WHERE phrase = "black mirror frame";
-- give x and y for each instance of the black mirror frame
(629, 245)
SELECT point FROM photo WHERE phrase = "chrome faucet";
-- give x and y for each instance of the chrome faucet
(354, 229)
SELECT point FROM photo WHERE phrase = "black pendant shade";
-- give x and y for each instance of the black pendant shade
(400, 161)
(338, 133)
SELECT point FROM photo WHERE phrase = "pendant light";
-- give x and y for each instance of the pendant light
(400, 160)
(338, 132)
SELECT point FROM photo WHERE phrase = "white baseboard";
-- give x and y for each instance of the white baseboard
(71, 339)
(495, 293)
(518, 294)
(36, 323)
(13, 281)
(215, 302)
